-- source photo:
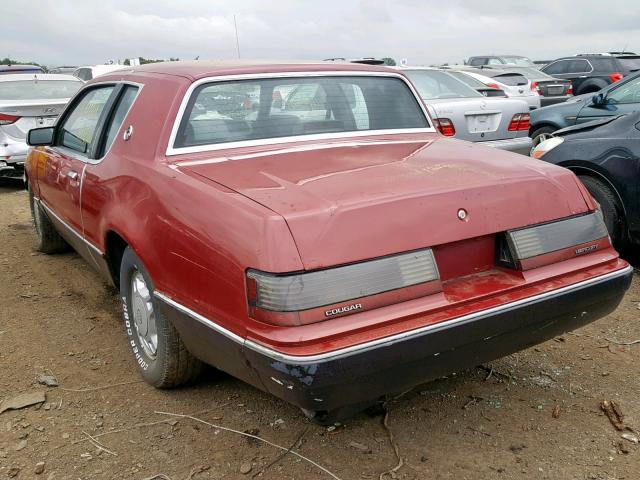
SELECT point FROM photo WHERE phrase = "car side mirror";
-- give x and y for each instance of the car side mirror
(599, 99)
(41, 136)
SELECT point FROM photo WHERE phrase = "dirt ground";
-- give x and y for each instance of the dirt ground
(535, 415)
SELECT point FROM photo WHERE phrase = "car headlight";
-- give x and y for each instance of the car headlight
(303, 291)
(546, 146)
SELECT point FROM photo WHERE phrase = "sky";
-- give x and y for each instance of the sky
(425, 32)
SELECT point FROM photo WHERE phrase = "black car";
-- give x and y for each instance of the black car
(591, 72)
(619, 98)
(605, 155)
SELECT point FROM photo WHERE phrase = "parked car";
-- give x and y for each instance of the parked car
(618, 98)
(460, 111)
(327, 262)
(551, 90)
(477, 85)
(500, 60)
(63, 70)
(13, 69)
(89, 72)
(605, 154)
(513, 84)
(27, 101)
(592, 72)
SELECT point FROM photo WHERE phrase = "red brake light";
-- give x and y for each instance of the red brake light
(520, 122)
(492, 85)
(570, 89)
(445, 126)
(8, 119)
(536, 88)
(615, 76)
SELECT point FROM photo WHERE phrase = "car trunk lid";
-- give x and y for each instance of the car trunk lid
(353, 201)
(31, 114)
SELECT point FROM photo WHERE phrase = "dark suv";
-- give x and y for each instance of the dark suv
(591, 72)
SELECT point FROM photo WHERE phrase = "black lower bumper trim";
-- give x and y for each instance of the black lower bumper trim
(334, 382)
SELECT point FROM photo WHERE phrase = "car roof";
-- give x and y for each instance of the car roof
(196, 69)
(14, 77)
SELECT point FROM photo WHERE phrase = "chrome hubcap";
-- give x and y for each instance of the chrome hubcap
(144, 318)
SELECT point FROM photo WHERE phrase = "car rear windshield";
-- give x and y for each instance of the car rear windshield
(470, 81)
(432, 84)
(255, 109)
(630, 64)
(511, 79)
(38, 89)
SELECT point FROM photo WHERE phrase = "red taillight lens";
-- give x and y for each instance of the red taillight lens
(445, 126)
(536, 88)
(615, 76)
(520, 122)
(8, 119)
(492, 85)
(570, 89)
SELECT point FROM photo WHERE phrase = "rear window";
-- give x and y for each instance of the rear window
(38, 89)
(257, 109)
(432, 84)
(630, 64)
(470, 81)
(511, 79)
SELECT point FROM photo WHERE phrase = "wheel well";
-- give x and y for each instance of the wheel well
(598, 176)
(542, 125)
(115, 247)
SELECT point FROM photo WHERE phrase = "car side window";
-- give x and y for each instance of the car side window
(84, 74)
(578, 66)
(556, 68)
(476, 62)
(626, 93)
(77, 132)
(125, 102)
(495, 61)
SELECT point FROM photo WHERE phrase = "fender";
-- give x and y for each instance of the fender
(592, 85)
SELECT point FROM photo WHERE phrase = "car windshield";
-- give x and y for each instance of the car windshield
(245, 110)
(630, 64)
(432, 84)
(38, 89)
(522, 61)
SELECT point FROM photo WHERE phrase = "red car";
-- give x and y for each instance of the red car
(304, 228)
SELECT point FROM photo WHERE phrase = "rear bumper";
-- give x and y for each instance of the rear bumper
(363, 372)
(12, 167)
(546, 101)
(521, 145)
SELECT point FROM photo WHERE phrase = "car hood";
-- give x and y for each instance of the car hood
(350, 201)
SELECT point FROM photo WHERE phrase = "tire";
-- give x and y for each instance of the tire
(609, 206)
(541, 134)
(165, 362)
(48, 240)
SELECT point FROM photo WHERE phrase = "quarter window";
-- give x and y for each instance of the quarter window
(125, 101)
(556, 68)
(78, 130)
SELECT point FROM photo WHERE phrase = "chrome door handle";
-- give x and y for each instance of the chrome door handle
(72, 175)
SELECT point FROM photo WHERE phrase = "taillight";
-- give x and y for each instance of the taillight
(520, 122)
(8, 119)
(615, 76)
(445, 126)
(570, 89)
(492, 85)
(536, 88)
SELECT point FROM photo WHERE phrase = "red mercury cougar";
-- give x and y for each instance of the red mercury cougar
(304, 228)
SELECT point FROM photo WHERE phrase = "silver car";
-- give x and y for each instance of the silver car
(461, 111)
(28, 101)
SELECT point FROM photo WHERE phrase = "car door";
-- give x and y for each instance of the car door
(60, 185)
(619, 100)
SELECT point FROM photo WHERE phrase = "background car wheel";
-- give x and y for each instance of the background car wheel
(162, 359)
(541, 134)
(609, 206)
(48, 240)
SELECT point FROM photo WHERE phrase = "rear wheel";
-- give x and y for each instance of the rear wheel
(541, 134)
(162, 358)
(609, 206)
(48, 240)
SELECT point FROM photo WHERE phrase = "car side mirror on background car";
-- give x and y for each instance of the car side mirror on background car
(40, 136)
(599, 99)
